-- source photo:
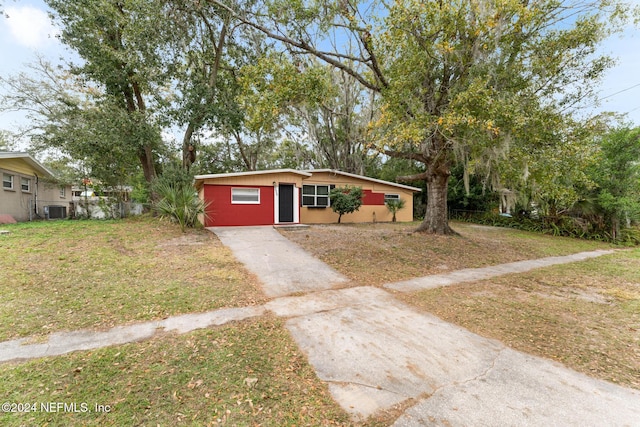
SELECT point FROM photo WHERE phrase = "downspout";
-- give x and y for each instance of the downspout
(35, 196)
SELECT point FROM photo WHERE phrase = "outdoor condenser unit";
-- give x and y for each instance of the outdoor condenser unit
(55, 212)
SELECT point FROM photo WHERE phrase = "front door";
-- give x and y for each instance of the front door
(285, 203)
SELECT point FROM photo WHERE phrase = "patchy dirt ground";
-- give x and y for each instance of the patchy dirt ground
(374, 254)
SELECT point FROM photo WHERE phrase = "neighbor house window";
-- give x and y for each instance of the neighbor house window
(63, 192)
(315, 195)
(7, 181)
(245, 196)
(25, 184)
(388, 197)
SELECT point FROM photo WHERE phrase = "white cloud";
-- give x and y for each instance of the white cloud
(30, 26)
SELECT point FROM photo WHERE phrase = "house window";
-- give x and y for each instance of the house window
(63, 192)
(315, 195)
(25, 184)
(7, 181)
(245, 196)
(388, 197)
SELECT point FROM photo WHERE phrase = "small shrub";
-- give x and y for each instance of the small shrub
(345, 200)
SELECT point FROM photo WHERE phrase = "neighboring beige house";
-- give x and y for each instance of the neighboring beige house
(29, 190)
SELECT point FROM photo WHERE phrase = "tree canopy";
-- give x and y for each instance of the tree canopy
(459, 81)
(616, 174)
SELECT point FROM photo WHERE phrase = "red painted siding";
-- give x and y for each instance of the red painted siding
(371, 198)
(222, 212)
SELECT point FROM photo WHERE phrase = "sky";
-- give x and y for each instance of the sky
(26, 30)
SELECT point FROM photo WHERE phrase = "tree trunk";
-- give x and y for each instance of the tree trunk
(147, 161)
(187, 155)
(436, 219)
(615, 227)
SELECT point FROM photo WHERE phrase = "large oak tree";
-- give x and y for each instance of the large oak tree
(459, 80)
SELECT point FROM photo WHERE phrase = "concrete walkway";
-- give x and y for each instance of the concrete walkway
(474, 274)
(375, 352)
(59, 343)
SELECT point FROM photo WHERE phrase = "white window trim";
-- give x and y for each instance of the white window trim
(63, 192)
(11, 179)
(28, 190)
(391, 196)
(245, 202)
(315, 196)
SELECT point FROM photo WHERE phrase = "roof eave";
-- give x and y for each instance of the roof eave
(30, 160)
(249, 173)
(366, 178)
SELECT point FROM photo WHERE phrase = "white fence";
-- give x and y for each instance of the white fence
(104, 209)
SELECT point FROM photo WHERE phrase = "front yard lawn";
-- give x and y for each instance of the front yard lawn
(585, 315)
(68, 275)
(241, 374)
(374, 254)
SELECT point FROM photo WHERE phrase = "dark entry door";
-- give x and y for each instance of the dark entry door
(285, 203)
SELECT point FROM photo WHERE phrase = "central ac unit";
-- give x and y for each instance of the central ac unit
(55, 212)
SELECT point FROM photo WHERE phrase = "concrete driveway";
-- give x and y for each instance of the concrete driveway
(376, 352)
(282, 266)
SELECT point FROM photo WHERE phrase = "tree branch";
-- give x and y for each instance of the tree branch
(417, 177)
(302, 45)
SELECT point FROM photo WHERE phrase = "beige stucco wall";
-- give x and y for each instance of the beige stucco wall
(18, 203)
(366, 213)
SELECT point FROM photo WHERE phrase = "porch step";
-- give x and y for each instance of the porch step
(291, 227)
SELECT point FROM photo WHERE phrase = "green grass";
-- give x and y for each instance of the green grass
(68, 275)
(203, 378)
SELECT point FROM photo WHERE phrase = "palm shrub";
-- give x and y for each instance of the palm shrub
(394, 205)
(179, 203)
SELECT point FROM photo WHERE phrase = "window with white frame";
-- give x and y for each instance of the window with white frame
(63, 192)
(245, 196)
(25, 184)
(388, 197)
(315, 195)
(7, 181)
